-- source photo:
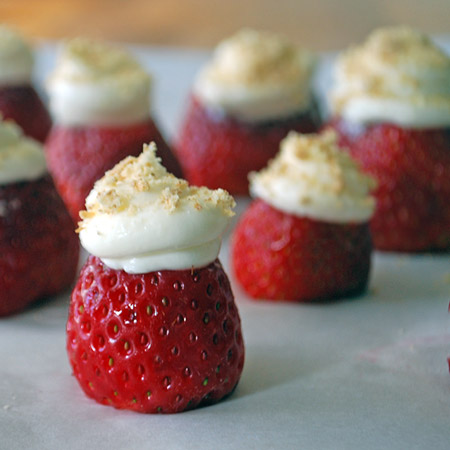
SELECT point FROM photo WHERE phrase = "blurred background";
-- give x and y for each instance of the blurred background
(316, 24)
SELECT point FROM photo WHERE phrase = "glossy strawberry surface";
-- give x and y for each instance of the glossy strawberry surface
(38, 245)
(278, 256)
(412, 168)
(79, 156)
(163, 341)
(219, 151)
(23, 105)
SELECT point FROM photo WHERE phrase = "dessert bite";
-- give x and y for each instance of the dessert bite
(256, 88)
(306, 235)
(19, 100)
(391, 107)
(152, 325)
(100, 100)
(38, 246)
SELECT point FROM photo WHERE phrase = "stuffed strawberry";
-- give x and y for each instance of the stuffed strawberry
(306, 236)
(38, 246)
(19, 100)
(254, 91)
(394, 116)
(152, 325)
(99, 96)
(412, 168)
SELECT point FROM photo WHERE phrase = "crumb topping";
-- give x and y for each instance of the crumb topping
(401, 45)
(136, 184)
(82, 59)
(95, 83)
(396, 62)
(318, 164)
(252, 57)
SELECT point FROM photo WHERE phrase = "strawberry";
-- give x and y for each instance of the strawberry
(279, 256)
(164, 341)
(38, 246)
(219, 152)
(412, 168)
(23, 105)
(77, 157)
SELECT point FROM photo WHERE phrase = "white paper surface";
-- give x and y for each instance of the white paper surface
(366, 373)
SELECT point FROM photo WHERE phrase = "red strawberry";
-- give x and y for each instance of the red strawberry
(412, 168)
(23, 105)
(219, 152)
(162, 341)
(77, 157)
(278, 256)
(38, 246)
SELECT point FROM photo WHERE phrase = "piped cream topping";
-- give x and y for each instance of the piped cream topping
(255, 76)
(140, 218)
(95, 83)
(21, 158)
(312, 177)
(16, 58)
(398, 75)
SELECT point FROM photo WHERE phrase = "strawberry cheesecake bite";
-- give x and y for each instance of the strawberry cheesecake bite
(100, 100)
(38, 246)
(391, 107)
(256, 88)
(306, 235)
(152, 325)
(19, 100)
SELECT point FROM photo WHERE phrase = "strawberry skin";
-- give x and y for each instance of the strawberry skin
(163, 341)
(219, 152)
(38, 245)
(412, 168)
(278, 256)
(79, 156)
(23, 105)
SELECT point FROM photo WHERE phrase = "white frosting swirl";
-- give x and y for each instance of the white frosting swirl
(21, 158)
(398, 75)
(312, 177)
(256, 76)
(16, 58)
(98, 84)
(140, 218)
